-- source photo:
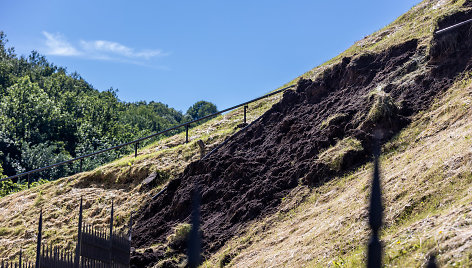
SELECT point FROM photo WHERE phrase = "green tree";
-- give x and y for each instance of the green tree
(48, 115)
(201, 109)
(1, 172)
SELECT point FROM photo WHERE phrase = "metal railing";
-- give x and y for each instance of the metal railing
(137, 141)
(95, 248)
(453, 26)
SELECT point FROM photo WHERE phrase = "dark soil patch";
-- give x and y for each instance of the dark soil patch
(247, 177)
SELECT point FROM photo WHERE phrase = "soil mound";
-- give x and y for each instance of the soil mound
(247, 177)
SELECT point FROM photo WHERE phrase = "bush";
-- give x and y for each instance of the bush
(9, 187)
(383, 107)
(178, 239)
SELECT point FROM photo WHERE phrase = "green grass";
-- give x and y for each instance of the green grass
(180, 235)
(4, 231)
(333, 120)
(334, 156)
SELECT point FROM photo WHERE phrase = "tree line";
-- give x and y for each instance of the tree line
(48, 115)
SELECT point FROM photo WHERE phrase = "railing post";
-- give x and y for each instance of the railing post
(79, 238)
(186, 133)
(374, 255)
(21, 253)
(81, 164)
(136, 149)
(194, 244)
(29, 181)
(130, 226)
(111, 235)
(245, 109)
(38, 243)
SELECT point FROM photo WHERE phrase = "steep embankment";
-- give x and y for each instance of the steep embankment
(427, 191)
(267, 202)
(119, 181)
(321, 130)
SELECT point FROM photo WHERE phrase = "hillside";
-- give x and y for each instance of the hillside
(119, 180)
(291, 189)
(426, 174)
(322, 130)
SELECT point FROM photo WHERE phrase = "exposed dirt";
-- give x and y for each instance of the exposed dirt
(248, 177)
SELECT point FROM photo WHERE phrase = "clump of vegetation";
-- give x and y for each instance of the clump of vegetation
(7, 187)
(226, 258)
(333, 120)
(39, 199)
(4, 231)
(179, 260)
(335, 156)
(383, 107)
(178, 239)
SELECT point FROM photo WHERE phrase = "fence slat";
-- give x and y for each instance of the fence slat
(38, 245)
(19, 261)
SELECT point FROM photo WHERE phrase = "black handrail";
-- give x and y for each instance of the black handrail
(453, 26)
(144, 138)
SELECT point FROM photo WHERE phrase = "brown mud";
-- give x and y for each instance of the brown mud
(248, 177)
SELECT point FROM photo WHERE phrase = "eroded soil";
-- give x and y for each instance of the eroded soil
(248, 177)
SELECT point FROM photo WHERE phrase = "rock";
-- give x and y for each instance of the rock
(150, 181)
(202, 148)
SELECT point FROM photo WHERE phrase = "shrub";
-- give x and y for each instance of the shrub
(178, 239)
(383, 107)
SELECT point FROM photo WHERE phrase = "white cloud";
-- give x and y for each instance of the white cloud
(108, 47)
(58, 45)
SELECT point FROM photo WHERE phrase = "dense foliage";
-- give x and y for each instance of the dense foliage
(48, 115)
(1, 172)
(201, 109)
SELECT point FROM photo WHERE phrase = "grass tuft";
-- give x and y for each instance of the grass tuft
(335, 156)
(180, 236)
(333, 120)
(383, 107)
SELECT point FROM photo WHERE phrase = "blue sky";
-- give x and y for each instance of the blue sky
(180, 52)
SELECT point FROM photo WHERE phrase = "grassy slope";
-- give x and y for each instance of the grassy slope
(312, 223)
(426, 183)
(427, 190)
(119, 180)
